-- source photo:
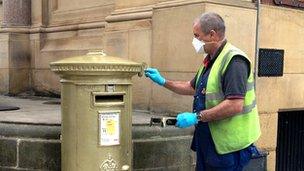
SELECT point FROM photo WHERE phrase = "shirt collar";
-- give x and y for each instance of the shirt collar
(211, 59)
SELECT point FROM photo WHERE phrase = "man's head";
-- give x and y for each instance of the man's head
(209, 28)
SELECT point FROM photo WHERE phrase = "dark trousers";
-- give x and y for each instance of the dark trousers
(207, 159)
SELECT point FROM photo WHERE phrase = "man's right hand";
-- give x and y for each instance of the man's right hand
(155, 76)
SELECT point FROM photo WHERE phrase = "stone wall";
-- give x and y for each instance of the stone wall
(29, 147)
(15, 53)
(158, 32)
(172, 50)
(38, 147)
(280, 29)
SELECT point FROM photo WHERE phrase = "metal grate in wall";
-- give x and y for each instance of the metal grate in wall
(270, 62)
(290, 141)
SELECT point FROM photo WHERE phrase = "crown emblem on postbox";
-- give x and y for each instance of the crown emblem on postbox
(109, 164)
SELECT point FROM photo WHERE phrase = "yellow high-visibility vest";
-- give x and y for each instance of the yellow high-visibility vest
(241, 130)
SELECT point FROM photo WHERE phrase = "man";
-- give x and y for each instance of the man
(224, 108)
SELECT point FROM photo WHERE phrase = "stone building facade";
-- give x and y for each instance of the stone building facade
(159, 32)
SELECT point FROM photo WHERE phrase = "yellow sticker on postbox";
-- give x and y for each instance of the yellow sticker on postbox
(109, 128)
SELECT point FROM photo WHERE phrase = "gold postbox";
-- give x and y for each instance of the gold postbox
(96, 111)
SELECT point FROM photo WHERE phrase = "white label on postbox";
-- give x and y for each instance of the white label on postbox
(109, 128)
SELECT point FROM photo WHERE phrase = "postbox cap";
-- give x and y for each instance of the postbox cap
(96, 63)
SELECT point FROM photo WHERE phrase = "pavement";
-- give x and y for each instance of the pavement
(47, 111)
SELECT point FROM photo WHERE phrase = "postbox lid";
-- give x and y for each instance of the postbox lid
(96, 61)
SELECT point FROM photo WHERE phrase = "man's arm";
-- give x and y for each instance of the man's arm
(180, 87)
(226, 109)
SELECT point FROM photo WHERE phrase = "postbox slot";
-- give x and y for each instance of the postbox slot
(108, 98)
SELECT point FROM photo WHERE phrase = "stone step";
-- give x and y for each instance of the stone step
(30, 140)
(37, 147)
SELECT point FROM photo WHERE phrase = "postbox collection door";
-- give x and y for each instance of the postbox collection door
(104, 127)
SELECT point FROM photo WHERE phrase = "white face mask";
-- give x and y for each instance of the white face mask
(198, 46)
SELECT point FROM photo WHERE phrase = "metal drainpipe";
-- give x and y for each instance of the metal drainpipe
(257, 43)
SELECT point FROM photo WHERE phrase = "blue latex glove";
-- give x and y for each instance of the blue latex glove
(155, 76)
(186, 119)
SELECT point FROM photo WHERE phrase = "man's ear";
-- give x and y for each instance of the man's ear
(212, 33)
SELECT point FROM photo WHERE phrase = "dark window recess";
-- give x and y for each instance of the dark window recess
(270, 62)
(291, 3)
(297, 4)
(290, 141)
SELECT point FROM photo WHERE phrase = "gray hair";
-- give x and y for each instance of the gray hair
(212, 21)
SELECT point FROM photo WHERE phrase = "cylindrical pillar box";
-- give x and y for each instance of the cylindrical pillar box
(96, 106)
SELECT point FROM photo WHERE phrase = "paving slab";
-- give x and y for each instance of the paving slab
(32, 110)
(47, 111)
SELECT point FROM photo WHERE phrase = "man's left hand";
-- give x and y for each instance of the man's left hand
(186, 119)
